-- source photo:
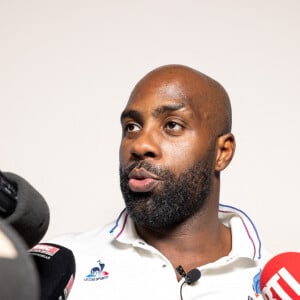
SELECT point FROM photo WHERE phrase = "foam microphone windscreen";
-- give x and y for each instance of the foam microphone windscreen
(18, 275)
(280, 278)
(31, 215)
(56, 269)
(192, 276)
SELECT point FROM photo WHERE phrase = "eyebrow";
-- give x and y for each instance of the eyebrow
(134, 114)
(167, 108)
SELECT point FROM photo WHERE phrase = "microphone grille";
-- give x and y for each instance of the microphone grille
(192, 276)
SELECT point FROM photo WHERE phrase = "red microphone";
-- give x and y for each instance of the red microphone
(280, 278)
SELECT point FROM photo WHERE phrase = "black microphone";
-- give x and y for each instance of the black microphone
(189, 277)
(192, 276)
(56, 269)
(18, 275)
(23, 208)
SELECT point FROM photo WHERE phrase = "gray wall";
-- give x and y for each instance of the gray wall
(67, 68)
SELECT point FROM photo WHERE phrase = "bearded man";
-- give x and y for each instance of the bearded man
(174, 240)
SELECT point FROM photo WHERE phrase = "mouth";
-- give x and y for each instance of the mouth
(141, 180)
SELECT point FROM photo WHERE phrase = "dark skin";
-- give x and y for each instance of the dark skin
(174, 117)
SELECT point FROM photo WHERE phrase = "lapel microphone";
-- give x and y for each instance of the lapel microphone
(189, 277)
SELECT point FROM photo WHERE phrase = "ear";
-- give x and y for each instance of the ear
(225, 151)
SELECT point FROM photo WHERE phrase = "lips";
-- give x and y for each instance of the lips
(141, 180)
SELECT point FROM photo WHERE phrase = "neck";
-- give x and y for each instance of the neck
(197, 241)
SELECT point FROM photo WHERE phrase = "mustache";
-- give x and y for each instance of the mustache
(145, 165)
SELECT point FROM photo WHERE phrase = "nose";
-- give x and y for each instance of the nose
(145, 145)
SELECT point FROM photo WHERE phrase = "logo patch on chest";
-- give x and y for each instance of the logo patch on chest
(97, 272)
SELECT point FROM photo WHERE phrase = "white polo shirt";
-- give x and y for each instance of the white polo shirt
(115, 263)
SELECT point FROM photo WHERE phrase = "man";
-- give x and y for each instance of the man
(176, 140)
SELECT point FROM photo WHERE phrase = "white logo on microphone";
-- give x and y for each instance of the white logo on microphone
(273, 283)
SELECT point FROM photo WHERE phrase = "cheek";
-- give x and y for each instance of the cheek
(183, 154)
(179, 157)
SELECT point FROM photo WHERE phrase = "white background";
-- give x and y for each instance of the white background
(66, 71)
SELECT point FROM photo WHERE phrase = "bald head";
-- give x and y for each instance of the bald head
(175, 142)
(202, 92)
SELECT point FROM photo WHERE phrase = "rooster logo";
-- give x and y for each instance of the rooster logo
(97, 273)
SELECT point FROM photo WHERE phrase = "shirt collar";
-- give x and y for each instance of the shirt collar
(245, 238)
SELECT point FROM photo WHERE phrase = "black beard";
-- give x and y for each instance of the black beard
(179, 198)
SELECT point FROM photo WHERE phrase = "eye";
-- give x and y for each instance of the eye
(174, 127)
(131, 127)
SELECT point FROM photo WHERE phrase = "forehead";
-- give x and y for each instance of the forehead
(164, 96)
